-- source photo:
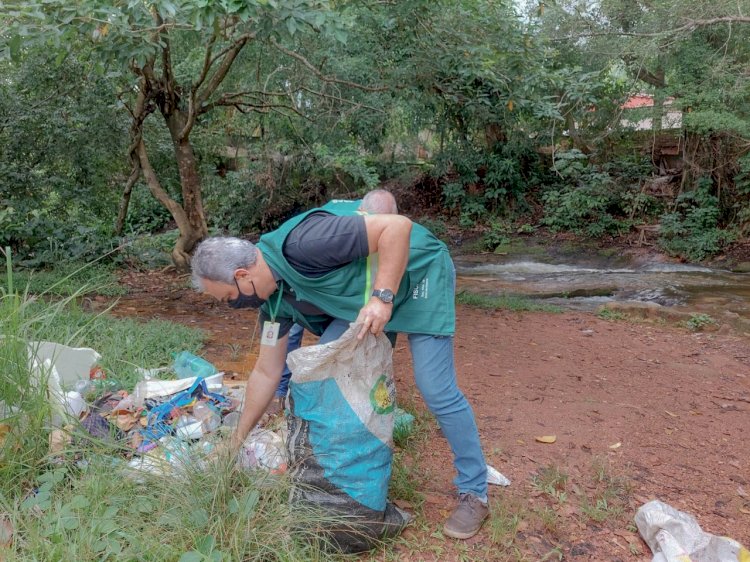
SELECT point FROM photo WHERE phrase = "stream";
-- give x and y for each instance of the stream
(585, 281)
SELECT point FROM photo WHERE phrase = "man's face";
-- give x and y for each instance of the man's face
(225, 292)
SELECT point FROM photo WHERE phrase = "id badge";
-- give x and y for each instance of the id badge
(270, 333)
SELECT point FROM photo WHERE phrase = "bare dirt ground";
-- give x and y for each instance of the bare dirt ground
(639, 411)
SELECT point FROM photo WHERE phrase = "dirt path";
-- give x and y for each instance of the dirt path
(639, 411)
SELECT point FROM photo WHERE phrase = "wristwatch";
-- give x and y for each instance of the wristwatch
(385, 295)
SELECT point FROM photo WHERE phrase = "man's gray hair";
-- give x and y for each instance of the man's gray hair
(379, 202)
(216, 259)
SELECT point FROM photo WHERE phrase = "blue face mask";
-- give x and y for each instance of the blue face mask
(246, 301)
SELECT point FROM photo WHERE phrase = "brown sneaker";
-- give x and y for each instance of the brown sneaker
(467, 518)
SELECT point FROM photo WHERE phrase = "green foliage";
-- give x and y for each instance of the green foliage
(471, 91)
(609, 496)
(595, 200)
(125, 344)
(105, 511)
(482, 185)
(609, 314)
(436, 226)
(692, 230)
(69, 279)
(24, 406)
(145, 215)
(236, 202)
(60, 148)
(497, 236)
(149, 251)
(553, 481)
(698, 322)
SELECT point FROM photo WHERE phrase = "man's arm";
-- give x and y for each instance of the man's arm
(260, 388)
(388, 235)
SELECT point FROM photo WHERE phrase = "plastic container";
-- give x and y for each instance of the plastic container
(188, 365)
(231, 420)
(209, 417)
(188, 428)
(74, 404)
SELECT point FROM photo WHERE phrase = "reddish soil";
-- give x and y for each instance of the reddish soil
(639, 411)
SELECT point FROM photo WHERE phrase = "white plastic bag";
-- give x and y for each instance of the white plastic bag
(263, 448)
(674, 536)
(61, 367)
(494, 476)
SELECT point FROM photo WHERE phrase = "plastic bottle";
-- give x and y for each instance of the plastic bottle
(232, 420)
(188, 365)
(210, 418)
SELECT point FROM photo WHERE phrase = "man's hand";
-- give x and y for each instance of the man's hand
(374, 316)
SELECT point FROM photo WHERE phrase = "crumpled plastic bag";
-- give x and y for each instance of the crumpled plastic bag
(264, 448)
(674, 536)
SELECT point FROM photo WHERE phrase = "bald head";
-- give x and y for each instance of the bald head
(379, 202)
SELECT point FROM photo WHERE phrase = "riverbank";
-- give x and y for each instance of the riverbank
(638, 411)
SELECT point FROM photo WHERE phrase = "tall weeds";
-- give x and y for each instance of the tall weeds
(84, 503)
(24, 408)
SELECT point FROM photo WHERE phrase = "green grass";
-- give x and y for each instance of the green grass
(553, 481)
(405, 482)
(699, 322)
(611, 315)
(606, 499)
(217, 513)
(85, 504)
(504, 302)
(124, 343)
(66, 280)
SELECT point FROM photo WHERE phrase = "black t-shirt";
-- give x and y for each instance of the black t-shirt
(321, 243)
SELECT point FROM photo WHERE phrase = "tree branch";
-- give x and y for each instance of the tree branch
(229, 55)
(240, 105)
(322, 76)
(689, 25)
(342, 100)
(197, 100)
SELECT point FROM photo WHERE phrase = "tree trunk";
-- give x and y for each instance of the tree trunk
(122, 214)
(192, 201)
(574, 135)
(188, 234)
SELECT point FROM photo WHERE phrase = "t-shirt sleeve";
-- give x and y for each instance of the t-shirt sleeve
(324, 242)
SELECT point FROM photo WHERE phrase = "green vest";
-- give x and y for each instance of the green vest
(424, 302)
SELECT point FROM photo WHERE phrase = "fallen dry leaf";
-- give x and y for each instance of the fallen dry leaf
(745, 510)
(6, 531)
(546, 438)
(741, 492)
(615, 445)
(671, 414)
(58, 441)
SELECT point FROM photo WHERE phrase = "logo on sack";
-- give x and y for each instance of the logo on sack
(383, 395)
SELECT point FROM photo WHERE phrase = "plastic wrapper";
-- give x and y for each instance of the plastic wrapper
(674, 536)
(263, 448)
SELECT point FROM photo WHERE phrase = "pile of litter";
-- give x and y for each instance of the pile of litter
(162, 426)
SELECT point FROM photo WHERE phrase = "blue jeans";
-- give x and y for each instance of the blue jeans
(435, 375)
(295, 340)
